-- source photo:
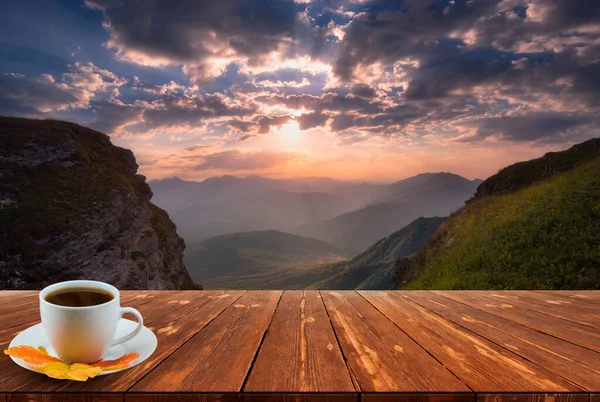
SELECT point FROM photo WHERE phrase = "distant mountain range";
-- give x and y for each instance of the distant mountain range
(351, 216)
(260, 260)
(428, 194)
(534, 225)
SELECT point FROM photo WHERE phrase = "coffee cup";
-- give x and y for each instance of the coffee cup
(81, 317)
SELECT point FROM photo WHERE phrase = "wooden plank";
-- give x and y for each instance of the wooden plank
(479, 363)
(16, 296)
(381, 356)
(578, 314)
(171, 397)
(576, 333)
(13, 316)
(595, 398)
(556, 298)
(589, 296)
(303, 397)
(301, 348)
(580, 365)
(513, 397)
(65, 397)
(172, 330)
(219, 357)
(382, 397)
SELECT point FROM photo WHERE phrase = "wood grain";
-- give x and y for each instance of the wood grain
(172, 397)
(301, 348)
(536, 302)
(532, 397)
(382, 397)
(556, 298)
(595, 398)
(381, 356)
(578, 364)
(481, 364)
(222, 352)
(65, 397)
(589, 296)
(301, 397)
(573, 332)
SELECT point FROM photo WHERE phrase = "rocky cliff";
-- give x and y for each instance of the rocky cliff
(73, 207)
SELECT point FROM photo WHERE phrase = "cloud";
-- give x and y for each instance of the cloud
(202, 36)
(470, 70)
(244, 160)
(93, 79)
(311, 120)
(526, 127)
(113, 116)
(197, 147)
(38, 95)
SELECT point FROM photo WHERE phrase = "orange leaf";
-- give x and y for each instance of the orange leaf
(41, 361)
(117, 364)
(31, 355)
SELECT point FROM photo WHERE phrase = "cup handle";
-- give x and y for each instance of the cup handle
(135, 331)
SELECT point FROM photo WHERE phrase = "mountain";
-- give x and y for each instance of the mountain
(72, 207)
(534, 225)
(372, 269)
(260, 260)
(429, 194)
(227, 204)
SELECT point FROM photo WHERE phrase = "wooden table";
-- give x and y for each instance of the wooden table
(340, 346)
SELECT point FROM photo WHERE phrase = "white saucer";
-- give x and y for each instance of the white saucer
(144, 343)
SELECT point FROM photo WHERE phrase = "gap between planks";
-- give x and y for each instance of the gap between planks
(186, 341)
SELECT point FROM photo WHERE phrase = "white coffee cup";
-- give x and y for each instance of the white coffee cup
(84, 334)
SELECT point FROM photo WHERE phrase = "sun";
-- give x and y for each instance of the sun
(290, 131)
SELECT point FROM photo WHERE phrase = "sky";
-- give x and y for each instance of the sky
(356, 90)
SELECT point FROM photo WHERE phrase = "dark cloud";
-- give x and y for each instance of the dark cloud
(171, 111)
(111, 115)
(197, 147)
(37, 95)
(240, 160)
(195, 33)
(266, 122)
(311, 120)
(527, 127)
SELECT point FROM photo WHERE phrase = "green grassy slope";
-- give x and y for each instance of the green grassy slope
(520, 235)
(260, 260)
(372, 269)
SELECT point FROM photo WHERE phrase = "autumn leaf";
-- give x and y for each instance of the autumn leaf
(116, 364)
(76, 371)
(41, 361)
(31, 355)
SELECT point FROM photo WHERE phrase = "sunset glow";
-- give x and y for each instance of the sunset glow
(354, 90)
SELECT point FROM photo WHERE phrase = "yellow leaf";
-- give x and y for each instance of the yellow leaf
(75, 371)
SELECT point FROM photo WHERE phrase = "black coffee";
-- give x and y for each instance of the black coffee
(79, 297)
